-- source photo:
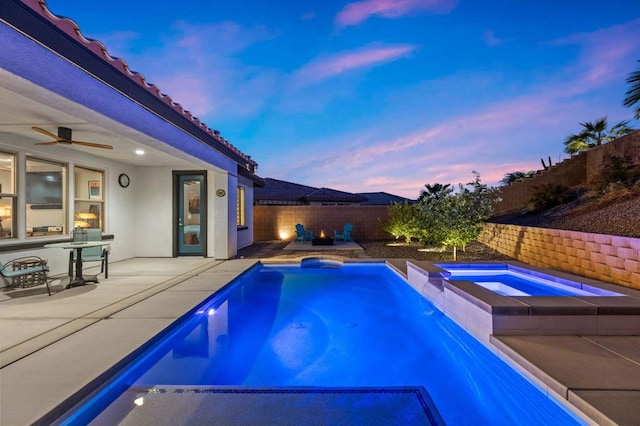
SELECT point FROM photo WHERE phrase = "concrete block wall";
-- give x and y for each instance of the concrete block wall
(570, 172)
(603, 257)
(278, 222)
(581, 169)
(626, 145)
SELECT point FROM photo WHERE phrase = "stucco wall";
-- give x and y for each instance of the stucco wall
(580, 169)
(604, 257)
(278, 222)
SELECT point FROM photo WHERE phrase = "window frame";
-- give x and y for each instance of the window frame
(241, 205)
(52, 229)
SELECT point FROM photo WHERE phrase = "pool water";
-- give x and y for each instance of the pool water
(355, 326)
(509, 280)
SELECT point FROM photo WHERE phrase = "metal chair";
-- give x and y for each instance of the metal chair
(92, 254)
(25, 269)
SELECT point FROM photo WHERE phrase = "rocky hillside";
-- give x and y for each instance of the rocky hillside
(615, 213)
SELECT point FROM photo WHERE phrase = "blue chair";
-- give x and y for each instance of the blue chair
(302, 235)
(346, 233)
(27, 269)
(92, 254)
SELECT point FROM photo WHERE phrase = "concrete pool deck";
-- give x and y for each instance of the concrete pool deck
(52, 347)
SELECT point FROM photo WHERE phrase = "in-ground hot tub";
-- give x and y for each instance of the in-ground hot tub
(487, 305)
(512, 280)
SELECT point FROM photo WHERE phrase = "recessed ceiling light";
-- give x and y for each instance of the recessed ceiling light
(139, 152)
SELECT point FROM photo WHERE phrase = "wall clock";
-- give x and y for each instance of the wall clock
(124, 180)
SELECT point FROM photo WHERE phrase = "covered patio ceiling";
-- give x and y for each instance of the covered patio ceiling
(23, 105)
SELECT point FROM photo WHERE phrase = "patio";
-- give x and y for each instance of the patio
(54, 346)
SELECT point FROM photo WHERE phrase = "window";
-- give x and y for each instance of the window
(88, 206)
(240, 206)
(7, 195)
(46, 200)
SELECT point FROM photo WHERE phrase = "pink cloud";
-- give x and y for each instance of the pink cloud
(325, 68)
(604, 51)
(186, 89)
(358, 12)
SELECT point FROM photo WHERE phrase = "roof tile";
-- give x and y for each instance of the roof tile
(69, 27)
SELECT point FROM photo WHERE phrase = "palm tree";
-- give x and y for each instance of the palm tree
(633, 94)
(435, 192)
(595, 134)
(509, 178)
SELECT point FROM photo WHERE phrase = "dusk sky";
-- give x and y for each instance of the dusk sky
(381, 95)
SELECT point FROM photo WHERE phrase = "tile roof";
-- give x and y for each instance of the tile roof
(70, 28)
(382, 199)
(279, 190)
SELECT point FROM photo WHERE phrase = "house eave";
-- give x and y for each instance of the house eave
(31, 19)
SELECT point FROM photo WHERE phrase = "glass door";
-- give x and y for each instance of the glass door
(190, 214)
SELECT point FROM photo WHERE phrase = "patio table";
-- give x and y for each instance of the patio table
(79, 279)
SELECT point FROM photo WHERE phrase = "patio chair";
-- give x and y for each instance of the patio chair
(92, 254)
(27, 271)
(346, 233)
(302, 235)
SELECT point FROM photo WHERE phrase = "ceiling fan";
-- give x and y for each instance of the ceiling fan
(64, 137)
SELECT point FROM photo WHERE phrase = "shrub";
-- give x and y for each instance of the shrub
(549, 195)
(618, 170)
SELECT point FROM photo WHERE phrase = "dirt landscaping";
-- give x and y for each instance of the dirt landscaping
(372, 250)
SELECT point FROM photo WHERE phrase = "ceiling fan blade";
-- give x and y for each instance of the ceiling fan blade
(91, 144)
(46, 143)
(45, 132)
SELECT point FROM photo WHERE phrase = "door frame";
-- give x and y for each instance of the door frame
(176, 174)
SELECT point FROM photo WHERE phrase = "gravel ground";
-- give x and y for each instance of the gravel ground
(622, 219)
(372, 250)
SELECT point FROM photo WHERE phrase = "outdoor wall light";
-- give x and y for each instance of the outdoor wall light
(139, 152)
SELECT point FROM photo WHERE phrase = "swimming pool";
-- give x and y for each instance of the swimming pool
(510, 280)
(359, 326)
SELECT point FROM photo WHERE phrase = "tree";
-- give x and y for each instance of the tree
(403, 221)
(435, 192)
(633, 94)
(595, 134)
(457, 219)
(509, 178)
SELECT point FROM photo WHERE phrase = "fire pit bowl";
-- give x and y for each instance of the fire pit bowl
(322, 241)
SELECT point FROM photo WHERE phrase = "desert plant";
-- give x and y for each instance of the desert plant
(618, 170)
(549, 195)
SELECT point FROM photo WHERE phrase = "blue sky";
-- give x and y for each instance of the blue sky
(381, 95)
